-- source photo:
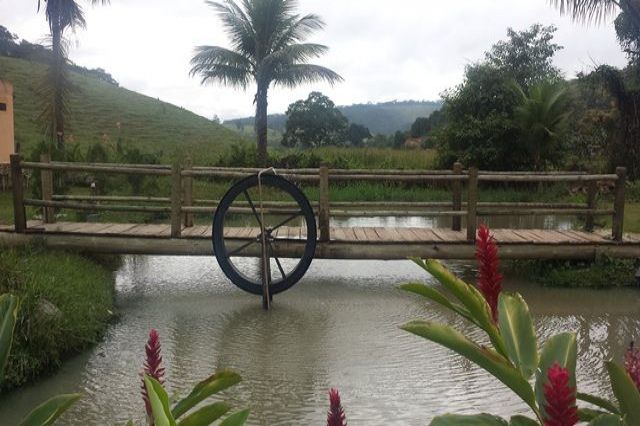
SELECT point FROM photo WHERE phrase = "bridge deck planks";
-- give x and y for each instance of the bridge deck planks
(382, 235)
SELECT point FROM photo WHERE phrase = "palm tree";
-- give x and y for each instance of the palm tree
(598, 10)
(61, 15)
(267, 47)
(542, 119)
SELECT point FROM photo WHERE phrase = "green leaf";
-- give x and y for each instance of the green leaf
(522, 421)
(210, 386)
(436, 296)
(599, 402)
(484, 357)
(236, 419)
(470, 298)
(626, 393)
(561, 348)
(607, 420)
(8, 315)
(206, 415)
(518, 333)
(473, 420)
(159, 402)
(48, 412)
(588, 414)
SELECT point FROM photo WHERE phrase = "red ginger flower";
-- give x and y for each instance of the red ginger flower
(632, 364)
(152, 367)
(560, 398)
(489, 279)
(335, 416)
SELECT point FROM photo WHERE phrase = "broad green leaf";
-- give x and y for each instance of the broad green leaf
(599, 402)
(518, 333)
(206, 415)
(48, 412)
(472, 420)
(210, 386)
(626, 393)
(522, 421)
(588, 414)
(607, 420)
(8, 316)
(470, 298)
(484, 357)
(436, 296)
(236, 419)
(159, 402)
(561, 348)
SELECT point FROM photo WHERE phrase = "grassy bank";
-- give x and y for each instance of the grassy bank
(66, 303)
(601, 273)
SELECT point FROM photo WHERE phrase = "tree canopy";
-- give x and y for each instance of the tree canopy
(315, 122)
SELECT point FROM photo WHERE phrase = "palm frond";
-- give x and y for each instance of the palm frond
(228, 75)
(587, 10)
(293, 54)
(296, 74)
(63, 14)
(296, 29)
(237, 24)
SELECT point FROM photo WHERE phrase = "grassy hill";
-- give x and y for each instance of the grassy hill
(105, 112)
(381, 118)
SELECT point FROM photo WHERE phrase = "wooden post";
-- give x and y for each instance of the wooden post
(19, 213)
(456, 188)
(592, 190)
(618, 204)
(176, 200)
(188, 194)
(323, 210)
(46, 178)
(472, 203)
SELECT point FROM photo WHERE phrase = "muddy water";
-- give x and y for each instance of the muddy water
(336, 328)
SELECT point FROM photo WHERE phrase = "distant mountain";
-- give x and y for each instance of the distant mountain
(383, 118)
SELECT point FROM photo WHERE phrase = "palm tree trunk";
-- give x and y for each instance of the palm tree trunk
(58, 63)
(261, 123)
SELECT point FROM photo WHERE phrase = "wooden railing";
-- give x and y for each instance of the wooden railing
(181, 205)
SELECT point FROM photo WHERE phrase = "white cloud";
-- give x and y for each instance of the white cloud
(407, 49)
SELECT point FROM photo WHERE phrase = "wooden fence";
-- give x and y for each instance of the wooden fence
(181, 205)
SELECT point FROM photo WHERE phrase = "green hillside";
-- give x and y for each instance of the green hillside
(104, 112)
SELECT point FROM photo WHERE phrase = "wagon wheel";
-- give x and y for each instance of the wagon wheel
(284, 223)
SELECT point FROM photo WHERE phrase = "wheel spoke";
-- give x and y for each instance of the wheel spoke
(284, 275)
(253, 208)
(239, 249)
(287, 220)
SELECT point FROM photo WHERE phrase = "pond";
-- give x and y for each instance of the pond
(339, 327)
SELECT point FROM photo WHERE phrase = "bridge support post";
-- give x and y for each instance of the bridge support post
(592, 190)
(176, 200)
(618, 204)
(188, 193)
(457, 197)
(472, 203)
(46, 179)
(323, 208)
(19, 213)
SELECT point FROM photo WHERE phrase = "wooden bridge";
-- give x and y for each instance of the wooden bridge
(181, 237)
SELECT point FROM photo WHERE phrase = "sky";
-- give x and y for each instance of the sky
(398, 50)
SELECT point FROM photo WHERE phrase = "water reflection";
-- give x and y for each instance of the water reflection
(338, 327)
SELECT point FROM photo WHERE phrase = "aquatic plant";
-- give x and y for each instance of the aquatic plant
(560, 398)
(156, 399)
(632, 364)
(514, 355)
(335, 416)
(489, 277)
(152, 367)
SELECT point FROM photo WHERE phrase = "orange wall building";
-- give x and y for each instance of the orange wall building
(7, 138)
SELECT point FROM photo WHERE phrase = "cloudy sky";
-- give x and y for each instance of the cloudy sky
(404, 49)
